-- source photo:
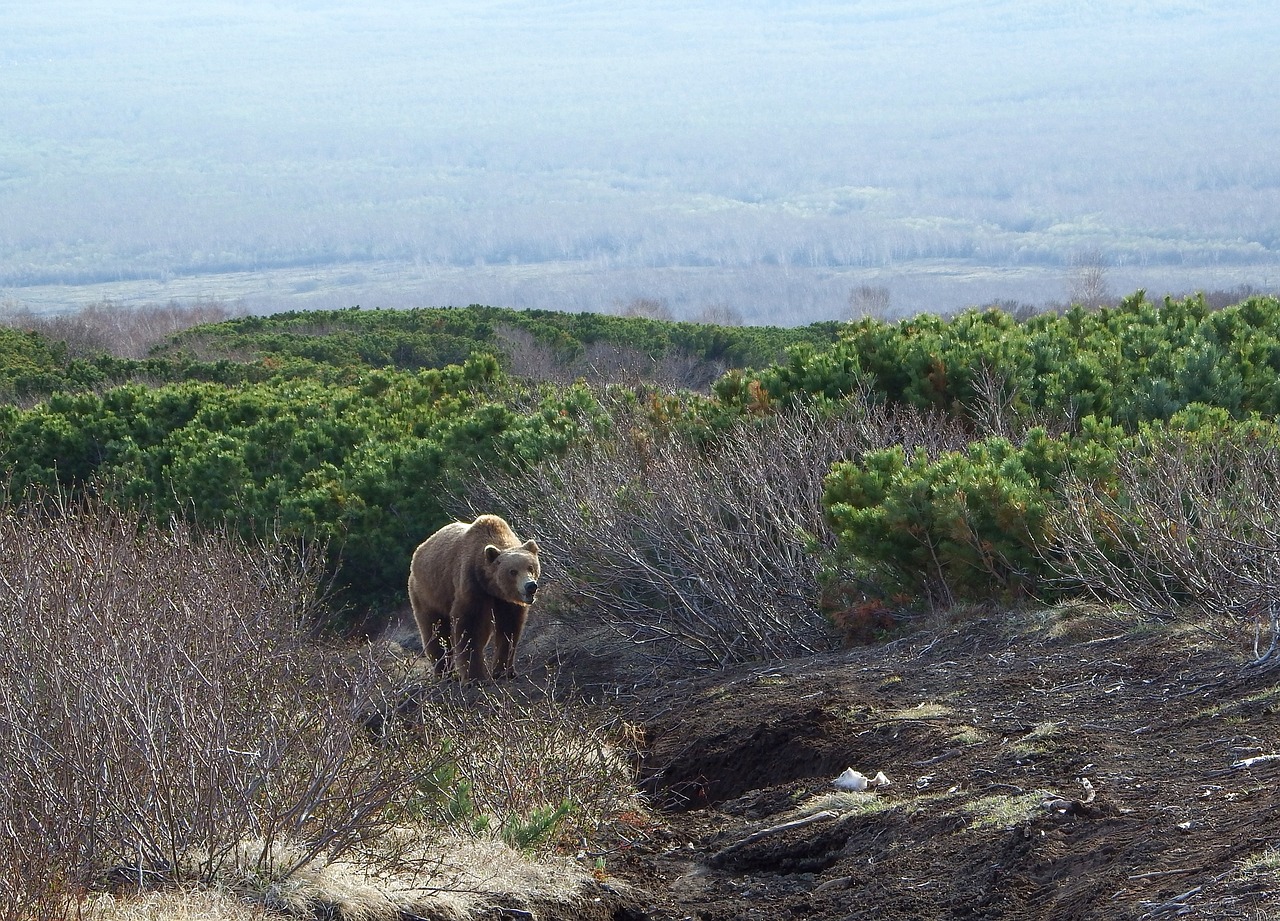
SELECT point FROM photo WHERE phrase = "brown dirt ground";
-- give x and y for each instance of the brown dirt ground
(987, 731)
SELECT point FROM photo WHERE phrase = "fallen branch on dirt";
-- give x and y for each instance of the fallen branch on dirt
(1069, 807)
(786, 826)
(1158, 874)
(1257, 759)
(825, 815)
(1176, 905)
(1078, 807)
(945, 756)
(1273, 618)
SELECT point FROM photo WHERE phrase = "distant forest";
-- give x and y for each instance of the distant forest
(769, 158)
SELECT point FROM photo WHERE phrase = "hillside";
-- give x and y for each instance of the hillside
(992, 558)
(1082, 766)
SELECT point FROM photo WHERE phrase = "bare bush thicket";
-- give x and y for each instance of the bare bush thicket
(649, 308)
(1191, 533)
(709, 554)
(123, 331)
(520, 755)
(869, 302)
(720, 314)
(1087, 284)
(606, 363)
(160, 705)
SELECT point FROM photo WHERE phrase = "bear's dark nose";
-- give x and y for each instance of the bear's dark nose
(531, 587)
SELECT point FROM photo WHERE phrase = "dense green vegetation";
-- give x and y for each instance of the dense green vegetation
(974, 525)
(349, 426)
(33, 366)
(363, 464)
(355, 427)
(1130, 364)
(333, 345)
(436, 336)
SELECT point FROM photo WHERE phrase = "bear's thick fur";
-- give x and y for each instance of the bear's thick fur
(469, 583)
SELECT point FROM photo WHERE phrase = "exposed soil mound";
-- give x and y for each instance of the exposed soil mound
(1097, 772)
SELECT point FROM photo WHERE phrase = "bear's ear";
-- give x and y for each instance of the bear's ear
(530, 546)
(491, 553)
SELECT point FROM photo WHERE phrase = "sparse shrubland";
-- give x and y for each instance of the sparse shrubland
(709, 551)
(1187, 528)
(125, 332)
(170, 719)
(166, 716)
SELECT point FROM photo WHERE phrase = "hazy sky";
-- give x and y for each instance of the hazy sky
(150, 142)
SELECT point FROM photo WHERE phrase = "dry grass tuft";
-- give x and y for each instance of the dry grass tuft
(1004, 811)
(846, 803)
(450, 878)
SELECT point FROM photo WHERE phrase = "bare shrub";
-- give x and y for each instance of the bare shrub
(1021, 311)
(521, 759)
(608, 363)
(605, 363)
(709, 554)
(869, 301)
(650, 308)
(527, 356)
(1190, 532)
(127, 332)
(720, 314)
(1220, 299)
(1087, 284)
(994, 410)
(161, 704)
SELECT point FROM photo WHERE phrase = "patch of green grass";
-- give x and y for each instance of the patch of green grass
(1265, 861)
(845, 803)
(1265, 694)
(970, 735)
(1033, 743)
(922, 711)
(1003, 810)
(1223, 709)
(1043, 730)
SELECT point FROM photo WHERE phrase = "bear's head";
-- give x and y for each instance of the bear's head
(513, 574)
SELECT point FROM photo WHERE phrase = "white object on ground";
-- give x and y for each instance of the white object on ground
(855, 781)
(851, 780)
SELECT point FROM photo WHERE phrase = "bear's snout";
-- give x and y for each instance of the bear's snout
(530, 589)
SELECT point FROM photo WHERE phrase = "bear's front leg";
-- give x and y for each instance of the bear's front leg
(509, 620)
(471, 634)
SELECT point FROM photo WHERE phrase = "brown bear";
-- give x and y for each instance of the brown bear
(468, 583)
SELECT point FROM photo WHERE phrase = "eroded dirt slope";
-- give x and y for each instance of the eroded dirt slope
(1088, 770)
